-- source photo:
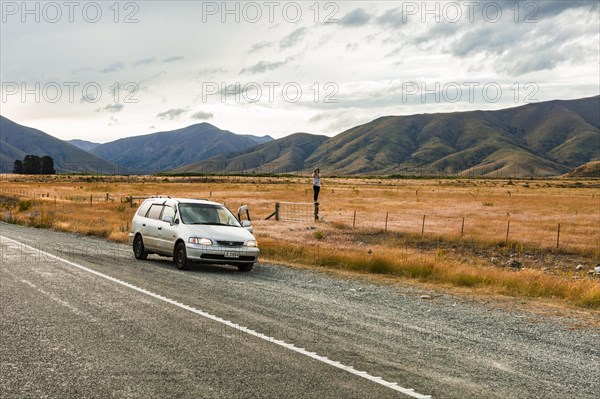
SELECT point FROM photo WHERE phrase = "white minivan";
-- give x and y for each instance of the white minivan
(192, 230)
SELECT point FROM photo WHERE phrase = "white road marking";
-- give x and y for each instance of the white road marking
(312, 355)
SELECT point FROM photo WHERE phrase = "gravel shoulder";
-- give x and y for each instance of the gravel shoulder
(449, 346)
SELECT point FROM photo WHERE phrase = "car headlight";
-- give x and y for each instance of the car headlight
(201, 241)
(251, 243)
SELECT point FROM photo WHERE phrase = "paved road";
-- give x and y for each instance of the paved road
(81, 318)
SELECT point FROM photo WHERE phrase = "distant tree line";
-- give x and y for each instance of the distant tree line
(35, 165)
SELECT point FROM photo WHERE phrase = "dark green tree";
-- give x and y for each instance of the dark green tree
(31, 165)
(47, 165)
(18, 167)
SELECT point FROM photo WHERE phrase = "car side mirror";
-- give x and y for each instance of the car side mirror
(168, 219)
(247, 225)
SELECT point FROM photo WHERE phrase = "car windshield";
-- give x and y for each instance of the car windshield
(207, 214)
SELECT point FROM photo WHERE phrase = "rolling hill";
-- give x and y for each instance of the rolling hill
(83, 144)
(16, 141)
(279, 156)
(168, 150)
(541, 139)
(588, 170)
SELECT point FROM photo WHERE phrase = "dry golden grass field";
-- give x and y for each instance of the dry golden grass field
(447, 232)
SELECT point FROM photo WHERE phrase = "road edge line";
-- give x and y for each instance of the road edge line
(363, 374)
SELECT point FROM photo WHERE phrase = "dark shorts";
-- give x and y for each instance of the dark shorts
(316, 189)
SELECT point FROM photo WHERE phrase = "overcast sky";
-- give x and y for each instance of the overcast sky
(101, 71)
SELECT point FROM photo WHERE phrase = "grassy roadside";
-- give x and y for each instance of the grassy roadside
(440, 257)
(417, 266)
(529, 283)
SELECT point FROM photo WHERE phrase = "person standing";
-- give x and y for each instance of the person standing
(316, 184)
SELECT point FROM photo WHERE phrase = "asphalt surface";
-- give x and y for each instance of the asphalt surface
(66, 332)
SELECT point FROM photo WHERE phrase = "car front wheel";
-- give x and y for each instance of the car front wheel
(180, 256)
(138, 248)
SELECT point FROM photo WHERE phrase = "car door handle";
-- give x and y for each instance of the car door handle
(160, 228)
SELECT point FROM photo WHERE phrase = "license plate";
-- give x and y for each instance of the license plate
(231, 254)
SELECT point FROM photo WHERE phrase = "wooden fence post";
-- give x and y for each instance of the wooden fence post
(354, 220)
(423, 226)
(462, 228)
(507, 230)
(277, 206)
(558, 236)
(386, 220)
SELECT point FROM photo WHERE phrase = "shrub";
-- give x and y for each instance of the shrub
(25, 206)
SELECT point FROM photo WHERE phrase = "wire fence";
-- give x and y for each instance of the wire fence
(582, 234)
(296, 211)
(90, 199)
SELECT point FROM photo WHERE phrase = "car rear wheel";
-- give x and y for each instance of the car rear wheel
(180, 256)
(138, 248)
(245, 267)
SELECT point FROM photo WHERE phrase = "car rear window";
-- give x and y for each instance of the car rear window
(154, 212)
(144, 208)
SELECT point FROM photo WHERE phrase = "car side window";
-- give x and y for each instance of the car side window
(168, 211)
(225, 217)
(154, 212)
(144, 208)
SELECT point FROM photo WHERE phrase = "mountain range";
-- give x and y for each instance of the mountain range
(16, 141)
(83, 144)
(540, 139)
(163, 151)
(286, 155)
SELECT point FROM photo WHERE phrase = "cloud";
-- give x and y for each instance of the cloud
(112, 67)
(174, 58)
(391, 18)
(263, 66)
(351, 46)
(543, 9)
(82, 69)
(321, 116)
(212, 70)
(171, 114)
(111, 108)
(88, 98)
(260, 46)
(144, 61)
(202, 115)
(486, 39)
(293, 38)
(525, 48)
(209, 74)
(357, 17)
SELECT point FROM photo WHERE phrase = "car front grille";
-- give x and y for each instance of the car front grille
(231, 243)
